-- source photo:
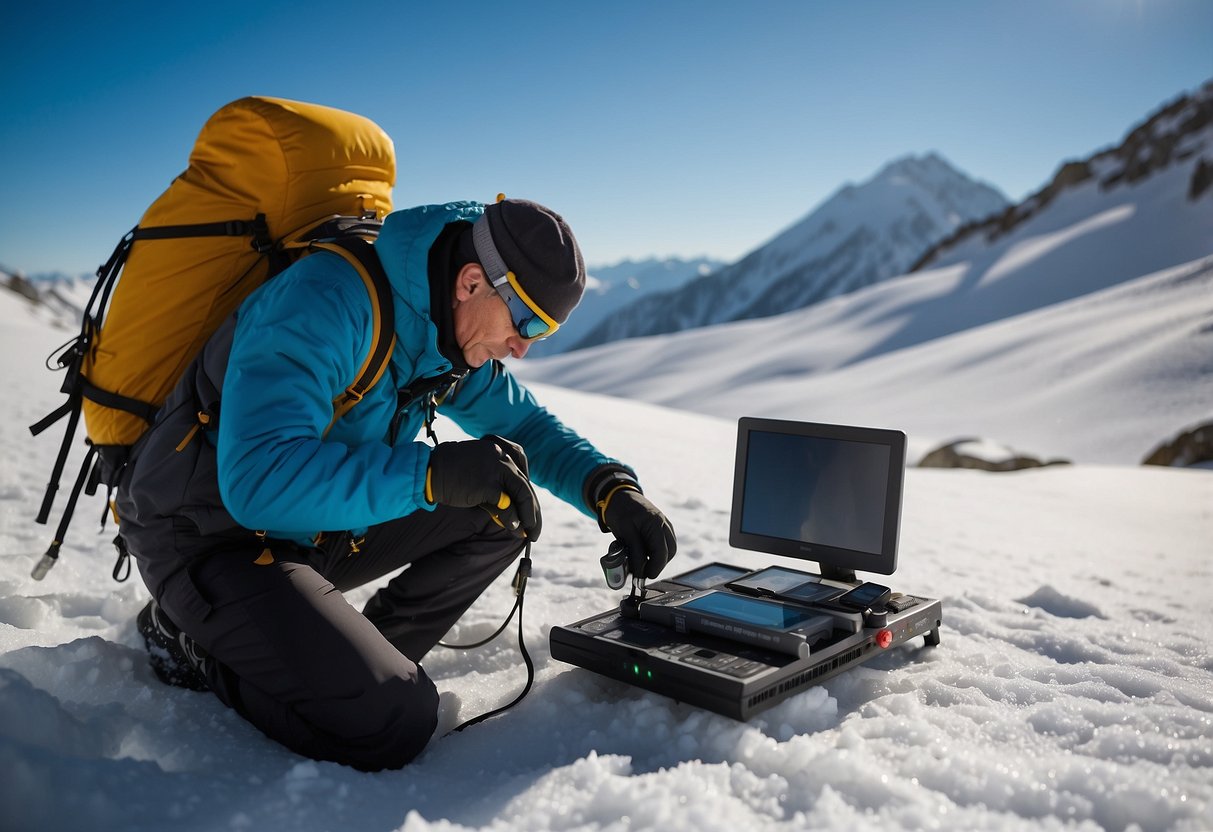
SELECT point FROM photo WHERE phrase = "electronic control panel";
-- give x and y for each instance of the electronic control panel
(701, 640)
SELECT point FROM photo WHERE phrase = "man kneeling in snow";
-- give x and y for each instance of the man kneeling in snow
(248, 530)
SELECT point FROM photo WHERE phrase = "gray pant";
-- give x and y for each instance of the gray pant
(293, 657)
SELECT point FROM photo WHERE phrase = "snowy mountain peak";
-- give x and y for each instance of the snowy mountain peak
(860, 235)
(925, 169)
(903, 187)
(950, 187)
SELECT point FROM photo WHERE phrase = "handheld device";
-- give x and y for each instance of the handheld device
(864, 597)
(615, 565)
(787, 584)
(615, 570)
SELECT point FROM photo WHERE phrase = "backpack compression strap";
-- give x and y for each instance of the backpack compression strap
(362, 256)
(70, 359)
(72, 355)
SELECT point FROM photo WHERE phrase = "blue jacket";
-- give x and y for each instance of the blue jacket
(298, 343)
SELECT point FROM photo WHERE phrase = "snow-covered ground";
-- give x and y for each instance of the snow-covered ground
(1073, 688)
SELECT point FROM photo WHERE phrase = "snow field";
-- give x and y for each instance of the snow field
(1073, 688)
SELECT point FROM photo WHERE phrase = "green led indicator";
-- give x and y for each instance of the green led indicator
(649, 673)
(636, 669)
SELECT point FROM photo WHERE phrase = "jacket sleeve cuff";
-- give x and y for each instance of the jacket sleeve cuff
(604, 480)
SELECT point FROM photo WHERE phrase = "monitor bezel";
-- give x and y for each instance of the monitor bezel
(828, 557)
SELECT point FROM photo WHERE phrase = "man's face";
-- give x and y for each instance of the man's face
(483, 326)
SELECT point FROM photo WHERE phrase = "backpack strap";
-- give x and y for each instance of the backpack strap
(257, 228)
(362, 256)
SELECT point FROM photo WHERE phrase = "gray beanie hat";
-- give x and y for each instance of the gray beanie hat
(537, 245)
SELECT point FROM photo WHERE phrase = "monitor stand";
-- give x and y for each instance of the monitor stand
(835, 573)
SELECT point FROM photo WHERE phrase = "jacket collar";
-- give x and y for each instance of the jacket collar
(403, 247)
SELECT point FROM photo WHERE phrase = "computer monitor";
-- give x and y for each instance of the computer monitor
(825, 493)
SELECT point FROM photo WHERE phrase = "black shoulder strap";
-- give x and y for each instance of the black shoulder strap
(362, 256)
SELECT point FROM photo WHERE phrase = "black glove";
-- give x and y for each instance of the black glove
(491, 473)
(644, 531)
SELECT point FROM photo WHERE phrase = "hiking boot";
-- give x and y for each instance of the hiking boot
(175, 657)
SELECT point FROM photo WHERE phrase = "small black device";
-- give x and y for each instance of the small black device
(738, 641)
(615, 570)
(866, 596)
(615, 565)
(788, 584)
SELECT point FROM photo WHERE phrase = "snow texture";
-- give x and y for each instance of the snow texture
(1073, 688)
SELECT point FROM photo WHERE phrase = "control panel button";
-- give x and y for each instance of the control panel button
(744, 669)
(600, 625)
(677, 649)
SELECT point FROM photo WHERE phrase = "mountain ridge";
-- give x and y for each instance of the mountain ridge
(857, 236)
(1148, 147)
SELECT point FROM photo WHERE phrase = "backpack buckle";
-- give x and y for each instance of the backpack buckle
(262, 242)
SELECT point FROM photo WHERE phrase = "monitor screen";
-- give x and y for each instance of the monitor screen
(828, 493)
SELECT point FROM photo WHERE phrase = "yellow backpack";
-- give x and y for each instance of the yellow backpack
(268, 180)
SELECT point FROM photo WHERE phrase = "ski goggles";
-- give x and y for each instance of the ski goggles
(529, 319)
(531, 322)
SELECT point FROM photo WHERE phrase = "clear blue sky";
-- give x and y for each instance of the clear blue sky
(656, 128)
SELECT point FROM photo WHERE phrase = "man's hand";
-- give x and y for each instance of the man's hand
(491, 473)
(644, 531)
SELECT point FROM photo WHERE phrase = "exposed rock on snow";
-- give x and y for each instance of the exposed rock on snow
(1191, 447)
(983, 455)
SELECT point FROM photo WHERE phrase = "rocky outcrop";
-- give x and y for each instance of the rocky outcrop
(1168, 136)
(19, 283)
(1202, 178)
(982, 455)
(1191, 447)
(56, 298)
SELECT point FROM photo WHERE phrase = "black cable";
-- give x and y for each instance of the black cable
(530, 680)
(520, 582)
(485, 641)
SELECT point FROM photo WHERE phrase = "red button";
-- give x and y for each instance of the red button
(884, 638)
